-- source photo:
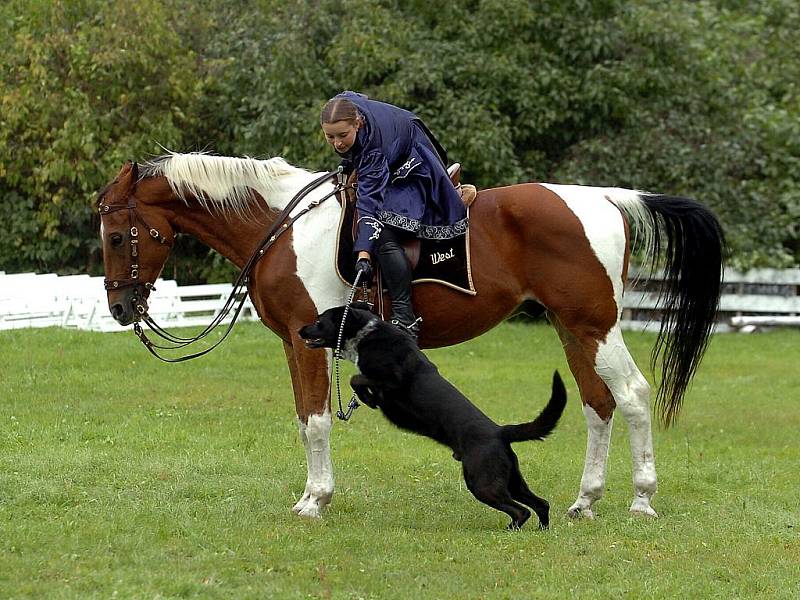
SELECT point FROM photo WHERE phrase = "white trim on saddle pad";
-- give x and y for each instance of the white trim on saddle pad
(470, 291)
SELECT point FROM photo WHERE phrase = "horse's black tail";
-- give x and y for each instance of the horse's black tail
(690, 239)
(543, 425)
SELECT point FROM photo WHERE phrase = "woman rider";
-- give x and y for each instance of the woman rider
(403, 189)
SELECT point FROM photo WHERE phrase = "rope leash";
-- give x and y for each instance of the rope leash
(337, 354)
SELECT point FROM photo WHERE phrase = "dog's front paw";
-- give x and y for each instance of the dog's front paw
(366, 391)
(367, 396)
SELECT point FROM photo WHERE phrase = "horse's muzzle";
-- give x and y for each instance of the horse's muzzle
(118, 312)
(129, 309)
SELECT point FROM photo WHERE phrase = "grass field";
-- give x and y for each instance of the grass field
(121, 477)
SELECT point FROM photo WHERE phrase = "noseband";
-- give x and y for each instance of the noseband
(141, 289)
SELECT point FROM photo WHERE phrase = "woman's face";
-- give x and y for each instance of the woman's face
(341, 134)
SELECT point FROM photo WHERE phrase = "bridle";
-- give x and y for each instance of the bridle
(238, 295)
(140, 289)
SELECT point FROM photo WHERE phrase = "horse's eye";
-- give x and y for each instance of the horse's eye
(116, 240)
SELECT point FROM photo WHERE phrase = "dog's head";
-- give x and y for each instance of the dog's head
(324, 332)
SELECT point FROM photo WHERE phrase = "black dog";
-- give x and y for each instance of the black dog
(399, 379)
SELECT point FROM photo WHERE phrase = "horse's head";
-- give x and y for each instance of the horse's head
(136, 238)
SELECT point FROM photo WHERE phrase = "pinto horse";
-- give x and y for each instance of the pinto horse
(566, 247)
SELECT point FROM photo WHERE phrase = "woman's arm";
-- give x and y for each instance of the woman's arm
(373, 177)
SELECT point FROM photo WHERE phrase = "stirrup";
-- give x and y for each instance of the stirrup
(411, 329)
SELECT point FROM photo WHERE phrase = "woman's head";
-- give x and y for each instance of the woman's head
(340, 122)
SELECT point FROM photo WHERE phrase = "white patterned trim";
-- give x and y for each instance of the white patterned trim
(428, 232)
(405, 169)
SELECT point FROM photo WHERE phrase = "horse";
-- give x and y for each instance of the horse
(565, 247)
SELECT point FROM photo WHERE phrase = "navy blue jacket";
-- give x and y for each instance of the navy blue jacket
(402, 179)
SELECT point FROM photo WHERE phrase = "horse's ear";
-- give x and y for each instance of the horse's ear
(131, 169)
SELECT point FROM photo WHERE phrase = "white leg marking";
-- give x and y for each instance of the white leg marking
(593, 482)
(603, 225)
(301, 504)
(319, 486)
(632, 394)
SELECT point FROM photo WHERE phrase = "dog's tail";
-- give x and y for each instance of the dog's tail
(543, 425)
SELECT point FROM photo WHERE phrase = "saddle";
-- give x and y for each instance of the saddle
(446, 262)
(467, 192)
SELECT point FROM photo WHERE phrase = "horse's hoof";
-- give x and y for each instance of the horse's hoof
(301, 504)
(642, 508)
(312, 506)
(576, 512)
(310, 511)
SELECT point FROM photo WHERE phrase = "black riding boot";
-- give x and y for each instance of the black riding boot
(397, 275)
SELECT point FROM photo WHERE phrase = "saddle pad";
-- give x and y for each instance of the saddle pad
(446, 262)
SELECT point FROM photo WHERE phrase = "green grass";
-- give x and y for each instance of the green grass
(124, 477)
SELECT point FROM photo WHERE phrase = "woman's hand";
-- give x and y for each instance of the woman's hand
(364, 266)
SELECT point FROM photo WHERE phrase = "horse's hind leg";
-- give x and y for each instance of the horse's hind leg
(632, 394)
(608, 377)
(598, 408)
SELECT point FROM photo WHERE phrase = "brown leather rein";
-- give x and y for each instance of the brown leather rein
(238, 295)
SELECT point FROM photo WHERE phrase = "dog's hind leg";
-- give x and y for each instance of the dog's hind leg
(505, 503)
(522, 493)
(491, 488)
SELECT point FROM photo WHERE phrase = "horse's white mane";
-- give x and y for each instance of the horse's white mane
(226, 183)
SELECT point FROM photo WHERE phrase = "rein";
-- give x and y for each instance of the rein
(337, 352)
(279, 227)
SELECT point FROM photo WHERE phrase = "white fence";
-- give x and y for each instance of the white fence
(750, 300)
(753, 299)
(79, 301)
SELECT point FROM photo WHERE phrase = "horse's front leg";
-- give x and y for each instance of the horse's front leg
(311, 383)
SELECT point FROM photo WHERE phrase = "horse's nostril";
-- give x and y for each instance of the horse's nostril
(117, 310)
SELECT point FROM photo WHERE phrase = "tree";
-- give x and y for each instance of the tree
(688, 98)
(83, 87)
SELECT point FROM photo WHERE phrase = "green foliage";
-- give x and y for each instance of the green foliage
(716, 116)
(697, 99)
(84, 86)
